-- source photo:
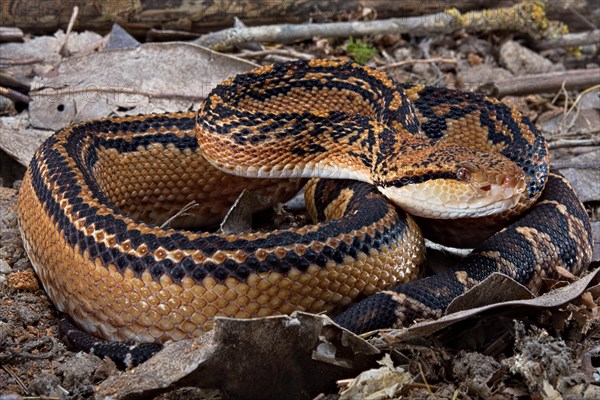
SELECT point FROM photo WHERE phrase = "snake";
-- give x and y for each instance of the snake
(98, 207)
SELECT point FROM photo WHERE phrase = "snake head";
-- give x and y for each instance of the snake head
(478, 185)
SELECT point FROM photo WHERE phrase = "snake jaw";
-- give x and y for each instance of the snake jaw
(506, 187)
(472, 194)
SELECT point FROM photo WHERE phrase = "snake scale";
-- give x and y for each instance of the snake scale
(95, 195)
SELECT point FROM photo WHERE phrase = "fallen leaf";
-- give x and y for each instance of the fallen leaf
(554, 298)
(116, 82)
(565, 273)
(379, 383)
(496, 288)
(131, 81)
(291, 357)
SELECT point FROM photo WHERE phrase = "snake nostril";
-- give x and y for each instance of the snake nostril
(487, 188)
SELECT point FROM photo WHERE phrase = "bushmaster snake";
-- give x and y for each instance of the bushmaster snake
(95, 193)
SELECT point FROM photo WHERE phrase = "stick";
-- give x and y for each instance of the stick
(519, 18)
(277, 52)
(48, 91)
(11, 34)
(167, 35)
(287, 33)
(409, 62)
(14, 95)
(21, 61)
(183, 211)
(569, 40)
(574, 165)
(572, 112)
(542, 83)
(21, 84)
(562, 143)
(63, 49)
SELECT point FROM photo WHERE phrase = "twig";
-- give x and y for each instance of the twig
(20, 61)
(10, 34)
(63, 49)
(113, 89)
(410, 62)
(183, 211)
(569, 40)
(35, 344)
(16, 378)
(344, 383)
(583, 18)
(424, 378)
(575, 165)
(515, 18)
(565, 125)
(9, 80)
(92, 47)
(166, 35)
(14, 95)
(278, 52)
(542, 83)
(425, 46)
(288, 33)
(563, 143)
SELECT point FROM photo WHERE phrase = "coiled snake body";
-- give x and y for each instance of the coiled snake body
(95, 194)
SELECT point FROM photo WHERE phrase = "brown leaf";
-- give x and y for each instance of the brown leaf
(287, 357)
(588, 300)
(554, 298)
(565, 273)
(137, 80)
(496, 288)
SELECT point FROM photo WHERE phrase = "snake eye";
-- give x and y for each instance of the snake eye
(463, 174)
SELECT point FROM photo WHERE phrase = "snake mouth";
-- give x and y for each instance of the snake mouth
(504, 187)
(450, 199)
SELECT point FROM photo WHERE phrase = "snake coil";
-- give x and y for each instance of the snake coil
(95, 195)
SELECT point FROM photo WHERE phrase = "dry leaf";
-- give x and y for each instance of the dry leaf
(386, 382)
(153, 77)
(554, 298)
(291, 357)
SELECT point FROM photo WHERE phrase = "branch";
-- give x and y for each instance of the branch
(168, 35)
(574, 165)
(287, 33)
(569, 40)
(63, 49)
(11, 34)
(47, 92)
(542, 83)
(562, 143)
(14, 95)
(9, 80)
(277, 52)
(420, 61)
(525, 17)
